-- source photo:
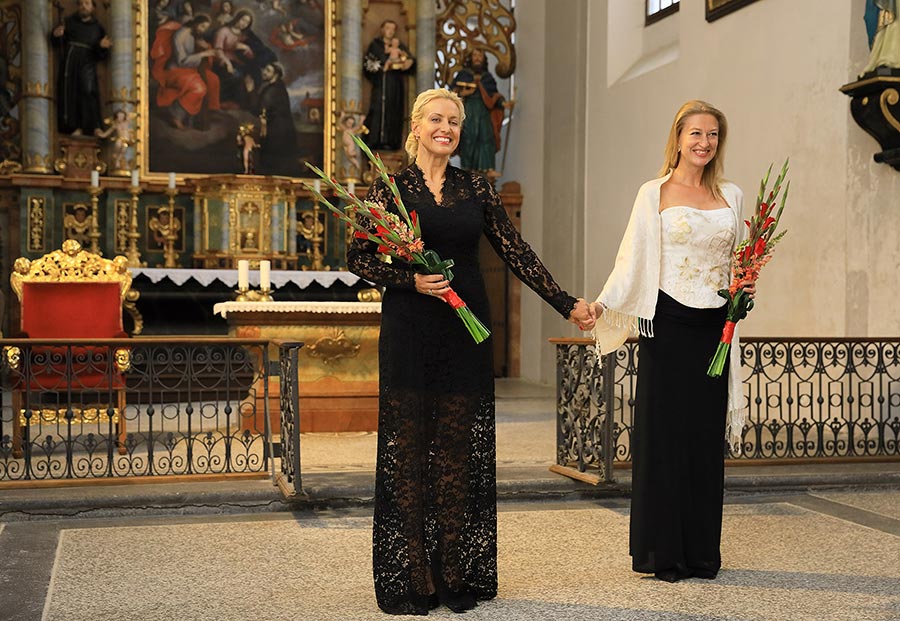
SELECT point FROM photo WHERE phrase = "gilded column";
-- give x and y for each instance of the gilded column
(122, 64)
(425, 47)
(36, 92)
(351, 78)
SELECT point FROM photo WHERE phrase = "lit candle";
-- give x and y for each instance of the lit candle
(351, 188)
(317, 185)
(95, 179)
(135, 178)
(171, 181)
(264, 282)
(243, 274)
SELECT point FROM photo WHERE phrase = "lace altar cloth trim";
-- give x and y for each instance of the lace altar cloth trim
(340, 308)
(279, 278)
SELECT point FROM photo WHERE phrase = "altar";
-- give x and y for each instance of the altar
(338, 364)
(181, 301)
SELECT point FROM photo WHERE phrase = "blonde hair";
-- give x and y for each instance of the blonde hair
(418, 113)
(712, 172)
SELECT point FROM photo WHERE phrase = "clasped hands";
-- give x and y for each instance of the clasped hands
(584, 315)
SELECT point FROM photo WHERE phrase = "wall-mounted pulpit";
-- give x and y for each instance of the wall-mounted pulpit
(245, 217)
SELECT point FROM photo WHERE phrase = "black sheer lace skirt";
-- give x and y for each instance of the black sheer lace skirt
(435, 533)
(678, 446)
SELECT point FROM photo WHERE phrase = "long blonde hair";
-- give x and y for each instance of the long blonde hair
(418, 113)
(714, 169)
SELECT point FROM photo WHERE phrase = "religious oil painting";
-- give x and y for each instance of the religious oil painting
(720, 8)
(218, 71)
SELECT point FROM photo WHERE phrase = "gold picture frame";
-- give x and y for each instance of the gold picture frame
(716, 9)
(207, 146)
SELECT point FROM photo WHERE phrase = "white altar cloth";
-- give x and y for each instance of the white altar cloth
(278, 278)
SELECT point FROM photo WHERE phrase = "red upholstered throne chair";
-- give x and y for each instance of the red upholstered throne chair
(70, 294)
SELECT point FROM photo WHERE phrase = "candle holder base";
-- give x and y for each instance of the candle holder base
(248, 295)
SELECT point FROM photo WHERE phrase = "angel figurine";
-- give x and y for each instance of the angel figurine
(246, 144)
(121, 135)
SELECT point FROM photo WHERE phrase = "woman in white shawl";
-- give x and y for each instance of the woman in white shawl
(673, 259)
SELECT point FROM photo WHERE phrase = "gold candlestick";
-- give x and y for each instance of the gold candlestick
(171, 232)
(133, 254)
(316, 239)
(94, 231)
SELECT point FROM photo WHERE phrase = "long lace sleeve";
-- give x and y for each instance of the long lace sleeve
(518, 255)
(362, 256)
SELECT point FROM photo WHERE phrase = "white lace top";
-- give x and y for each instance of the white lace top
(696, 254)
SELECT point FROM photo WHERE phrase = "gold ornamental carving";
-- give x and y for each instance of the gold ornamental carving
(37, 89)
(122, 356)
(369, 295)
(889, 97)
(123, 206)
(13, 356)
(52, 416)
(333, 347)
(37, 163)
(464, 25)
(10, 167)
(130, 306)
(71, 264)
(37, 219)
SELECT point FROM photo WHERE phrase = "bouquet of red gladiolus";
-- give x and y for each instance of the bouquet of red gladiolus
(748, 259)
(397, 236)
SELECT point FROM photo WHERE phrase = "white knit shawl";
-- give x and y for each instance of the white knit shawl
(630, 293)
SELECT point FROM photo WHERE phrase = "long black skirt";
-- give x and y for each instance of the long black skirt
(678, 444)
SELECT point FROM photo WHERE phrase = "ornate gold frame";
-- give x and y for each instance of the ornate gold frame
(140, 10)
(71, 264)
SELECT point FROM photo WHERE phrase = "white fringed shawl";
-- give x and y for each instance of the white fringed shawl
(629, 295)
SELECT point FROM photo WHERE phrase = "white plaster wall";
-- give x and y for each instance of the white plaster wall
(546, 155)
(774, 68)
(525, 160)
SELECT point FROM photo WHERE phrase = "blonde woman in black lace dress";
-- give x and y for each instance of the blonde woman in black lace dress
(435, 527)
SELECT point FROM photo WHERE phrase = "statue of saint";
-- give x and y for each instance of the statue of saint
(881, 17)
(386, 65)
(83, 43)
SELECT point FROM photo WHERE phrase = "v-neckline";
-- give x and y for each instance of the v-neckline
(434, 199)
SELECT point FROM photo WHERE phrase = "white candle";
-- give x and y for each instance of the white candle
(95, 179)
(351, 188)
(243, 274)
(135, 178)
(317, 185)
(264, 267)
(171, 181)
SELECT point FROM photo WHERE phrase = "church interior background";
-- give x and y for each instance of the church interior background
(191, 167)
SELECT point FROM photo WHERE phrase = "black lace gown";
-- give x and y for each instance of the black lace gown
(435, 523)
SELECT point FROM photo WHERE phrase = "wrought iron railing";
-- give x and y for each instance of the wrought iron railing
(290, 479)
(133, 408)
(808, 399)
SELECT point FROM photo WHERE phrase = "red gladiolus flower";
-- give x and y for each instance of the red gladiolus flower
(747, 260)
(760, 247)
